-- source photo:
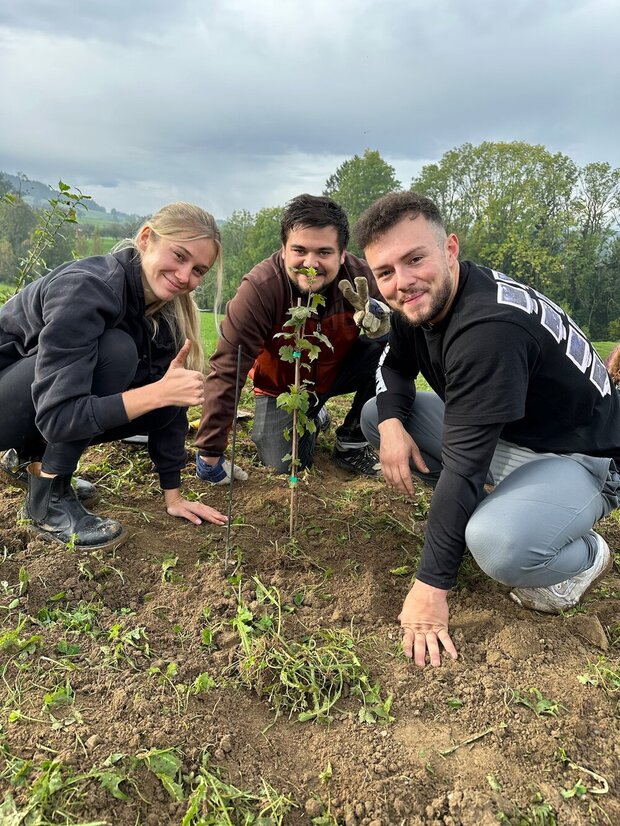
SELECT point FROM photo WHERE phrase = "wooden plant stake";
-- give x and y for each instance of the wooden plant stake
(293, 479)
(232, 463)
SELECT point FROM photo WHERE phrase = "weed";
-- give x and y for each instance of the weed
(213, 802)
(613, 631)
(12, 643)
(41, 794)
(203, 684)
(326, 774)
(539, 704)
(304, 677)
(124, 643)
(166, 766)
(63, 695)
(111, 775)
(578, 790)
(81, 619)
(166, 677)
(208, 632)
(494, 783)
(24, 582)
(601, 674)
(168, 574)
(539, 813)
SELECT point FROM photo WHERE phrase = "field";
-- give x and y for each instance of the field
(157, 685)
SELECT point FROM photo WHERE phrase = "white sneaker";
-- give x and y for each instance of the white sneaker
(553, 599)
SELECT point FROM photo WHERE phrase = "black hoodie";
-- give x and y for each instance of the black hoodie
(60, 318)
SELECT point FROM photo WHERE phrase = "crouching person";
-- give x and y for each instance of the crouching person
(314, 233)
(99, 349)
(522, 401)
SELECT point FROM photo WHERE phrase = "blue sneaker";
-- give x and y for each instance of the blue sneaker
(218, 474)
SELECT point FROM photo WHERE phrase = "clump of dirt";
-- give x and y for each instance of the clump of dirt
(524, 726)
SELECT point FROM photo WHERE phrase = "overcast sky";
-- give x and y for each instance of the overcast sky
(242, 104)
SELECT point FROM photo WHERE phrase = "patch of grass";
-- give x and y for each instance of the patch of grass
(123, 645)
(208, 331)
(214, 802)
(604, 348)
(12, 642)
(41, 794)
(538, 813)
(121, 471)
(83, 618)
(603, 674)
(305, 677)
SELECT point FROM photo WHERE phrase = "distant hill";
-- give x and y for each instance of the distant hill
(37, 195)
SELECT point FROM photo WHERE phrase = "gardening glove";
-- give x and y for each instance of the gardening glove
(218, 474)
(372, 316)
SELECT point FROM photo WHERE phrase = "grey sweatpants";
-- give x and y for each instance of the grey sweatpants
(532, 529)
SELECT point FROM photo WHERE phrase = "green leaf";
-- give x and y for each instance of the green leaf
(286, 353)
(323, 338)
(110, 780)
(203, 683)
(206, 637)
(403, 570)
(165, 765)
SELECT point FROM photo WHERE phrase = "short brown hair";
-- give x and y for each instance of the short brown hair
(389, 210)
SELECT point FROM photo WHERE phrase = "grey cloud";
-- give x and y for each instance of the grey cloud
(247, 99)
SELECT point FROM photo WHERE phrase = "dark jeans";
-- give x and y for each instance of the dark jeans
(114, 372)
(356, 375)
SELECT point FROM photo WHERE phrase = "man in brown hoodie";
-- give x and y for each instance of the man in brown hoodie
(314, 233)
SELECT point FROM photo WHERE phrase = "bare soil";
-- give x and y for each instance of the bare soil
(461, 748)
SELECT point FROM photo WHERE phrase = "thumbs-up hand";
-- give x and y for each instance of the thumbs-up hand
(371, 315)
(181, 387)
(181, 357)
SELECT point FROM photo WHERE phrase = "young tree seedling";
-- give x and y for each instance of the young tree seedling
(297, 400)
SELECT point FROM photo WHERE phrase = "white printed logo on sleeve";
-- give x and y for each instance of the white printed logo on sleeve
(558, 324)
(380, 382)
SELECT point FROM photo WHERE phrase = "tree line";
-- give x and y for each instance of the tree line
(516, 207)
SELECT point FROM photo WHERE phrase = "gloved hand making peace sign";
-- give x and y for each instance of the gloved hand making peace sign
(371, 315)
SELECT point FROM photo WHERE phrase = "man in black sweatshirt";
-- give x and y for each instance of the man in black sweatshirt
(522, 402)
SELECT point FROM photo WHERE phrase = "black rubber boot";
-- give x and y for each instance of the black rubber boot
(14, 471)
(55, 513)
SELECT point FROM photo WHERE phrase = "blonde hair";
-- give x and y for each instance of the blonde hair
(183, 222)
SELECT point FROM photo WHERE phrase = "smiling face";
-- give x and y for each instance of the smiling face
(416, 268)
(173, 267)
(312, 247)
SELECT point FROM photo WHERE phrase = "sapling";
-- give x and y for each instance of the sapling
(297, 400)
(62, 210)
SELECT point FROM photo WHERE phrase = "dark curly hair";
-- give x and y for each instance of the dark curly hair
(315, 211)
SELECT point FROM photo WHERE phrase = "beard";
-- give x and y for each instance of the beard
(437, 305)
(304, 288)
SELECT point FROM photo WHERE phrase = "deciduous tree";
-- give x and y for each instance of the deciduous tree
(359, 181)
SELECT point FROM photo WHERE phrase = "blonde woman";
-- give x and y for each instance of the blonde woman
(100, 349)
